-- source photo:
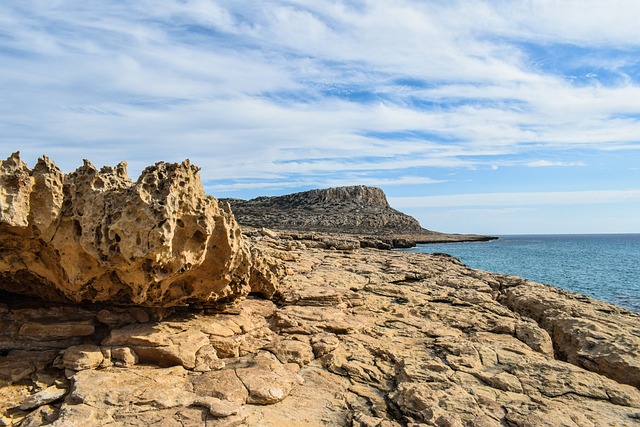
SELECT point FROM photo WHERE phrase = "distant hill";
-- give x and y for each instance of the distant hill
(354, 209)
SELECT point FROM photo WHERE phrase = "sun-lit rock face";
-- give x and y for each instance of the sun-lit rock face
(97, 236)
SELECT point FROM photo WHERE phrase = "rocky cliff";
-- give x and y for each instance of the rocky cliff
(356, 209)
(96, 236)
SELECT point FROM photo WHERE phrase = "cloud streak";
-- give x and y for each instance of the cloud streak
(533, 198)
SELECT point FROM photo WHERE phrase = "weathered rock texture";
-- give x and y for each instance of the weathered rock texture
(598, 337)
(96, 236)
(353, 337)
(356, 337)
(357, 210)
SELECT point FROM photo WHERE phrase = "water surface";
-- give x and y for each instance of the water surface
(603, 266)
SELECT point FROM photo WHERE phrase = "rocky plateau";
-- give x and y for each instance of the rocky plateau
(275, 327)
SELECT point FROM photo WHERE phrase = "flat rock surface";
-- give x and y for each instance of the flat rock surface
(355, 337)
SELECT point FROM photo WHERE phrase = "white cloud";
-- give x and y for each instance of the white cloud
(323, 183)
(249, 91)
(548, 163)
(519, 199)
(488, 211)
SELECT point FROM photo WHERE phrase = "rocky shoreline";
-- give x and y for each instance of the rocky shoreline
(310, 329)
(353, 337)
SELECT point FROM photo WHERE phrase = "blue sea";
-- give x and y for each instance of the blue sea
(603, 266)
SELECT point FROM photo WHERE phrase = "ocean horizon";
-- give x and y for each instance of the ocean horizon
(603, 266)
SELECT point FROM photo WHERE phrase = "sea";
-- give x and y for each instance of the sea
(603, 266)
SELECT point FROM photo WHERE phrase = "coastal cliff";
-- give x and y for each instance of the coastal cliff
(324, 332)
(354, 210)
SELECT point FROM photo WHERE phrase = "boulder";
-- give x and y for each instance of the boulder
(97, 236)
(266, 379)
(43, 397)
(80, 357)
(160, 344)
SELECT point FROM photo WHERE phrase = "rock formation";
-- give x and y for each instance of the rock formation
(357, 337)
(356, 210)
(96, 236)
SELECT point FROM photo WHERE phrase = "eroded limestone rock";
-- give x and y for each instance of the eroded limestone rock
(266, 379)
(43, 397)
(588, 333)
(95, 235)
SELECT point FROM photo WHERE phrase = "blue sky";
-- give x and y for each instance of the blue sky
(491, 117)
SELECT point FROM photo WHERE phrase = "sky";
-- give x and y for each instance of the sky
(488, 117)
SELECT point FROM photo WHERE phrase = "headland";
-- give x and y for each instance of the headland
(350, 213)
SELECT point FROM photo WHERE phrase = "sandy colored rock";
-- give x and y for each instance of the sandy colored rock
(43, 415)
(293, 350)
(113, 395)
(320, 401)
(95, 235)
(44, 327)
(15, 188)
(80, 413)
(20, 366)
(160, 344)
(107, 389)
(591, 334)
(40, 331)
(82, 357)
(223, 384)
(535, 337)
(437, 338)
(123, 356)
(358, 337)
(226, 347)
(43, 397)
(207, 359)
(323, 344)
(266, 379)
